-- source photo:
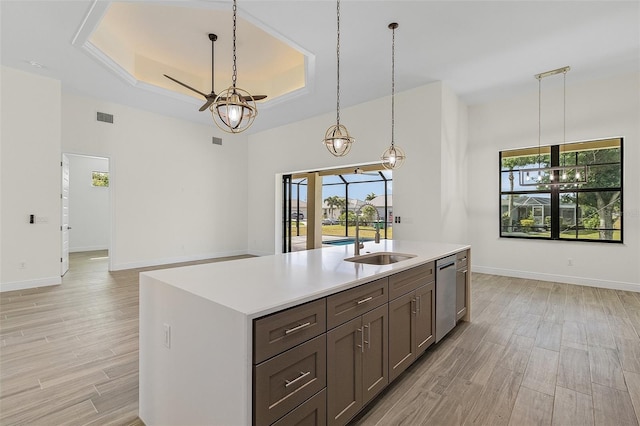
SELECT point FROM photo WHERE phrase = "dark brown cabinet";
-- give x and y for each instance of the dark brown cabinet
(312, 412)
(287, 380)
(462, 297)
(321, 362)
(411, 316)
(357, 364)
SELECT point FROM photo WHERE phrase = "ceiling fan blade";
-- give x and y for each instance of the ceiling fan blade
(255, 97)
(208, 103)
(187, 86)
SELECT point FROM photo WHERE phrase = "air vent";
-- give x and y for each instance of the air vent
(104, 117)
(217, 141)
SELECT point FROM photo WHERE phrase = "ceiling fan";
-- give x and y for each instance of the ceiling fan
(211, 97)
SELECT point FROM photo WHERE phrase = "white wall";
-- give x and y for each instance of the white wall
(453, 170)
(175, 195)
(417, 192)
(88, 205)
(595, 110)
(30, 180)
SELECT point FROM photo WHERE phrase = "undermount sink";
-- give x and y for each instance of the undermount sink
(380, 258)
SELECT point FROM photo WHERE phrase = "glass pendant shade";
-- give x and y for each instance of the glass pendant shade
(234, 110)
(337, 140)
(393, 157)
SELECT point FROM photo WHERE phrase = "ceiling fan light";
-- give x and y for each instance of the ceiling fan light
(393, 157)
(337, 140)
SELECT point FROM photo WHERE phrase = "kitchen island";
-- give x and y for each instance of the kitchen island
(197, 355)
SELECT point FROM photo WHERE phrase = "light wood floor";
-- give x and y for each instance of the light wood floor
(535, 353)
(69, 353)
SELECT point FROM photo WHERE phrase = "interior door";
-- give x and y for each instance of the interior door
(64, 260)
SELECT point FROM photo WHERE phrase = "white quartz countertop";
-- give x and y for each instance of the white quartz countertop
(261, 285)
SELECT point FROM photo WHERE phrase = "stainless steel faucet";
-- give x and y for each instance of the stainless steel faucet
(357, 244)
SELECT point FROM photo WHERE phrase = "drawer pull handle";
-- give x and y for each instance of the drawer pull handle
(300, 377)
(300, 327)
(360, 302)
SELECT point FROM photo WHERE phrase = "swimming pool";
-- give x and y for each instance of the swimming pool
(345, 241)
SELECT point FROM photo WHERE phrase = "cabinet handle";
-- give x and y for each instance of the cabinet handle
(419, 303)
(294, 329)
(360, 302)
(361, 345)
(300, 377)
(414, 305)
(368, 341)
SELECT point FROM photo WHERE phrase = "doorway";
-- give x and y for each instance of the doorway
(365, 190)
(86, 210)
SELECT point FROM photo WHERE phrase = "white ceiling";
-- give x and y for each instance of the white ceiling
(483, 50)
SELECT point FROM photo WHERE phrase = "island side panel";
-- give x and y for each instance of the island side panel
(204, 376)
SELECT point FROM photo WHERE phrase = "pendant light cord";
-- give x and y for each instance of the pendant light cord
(235, 67)
(539, 116)
(393, 84)
(338, 67)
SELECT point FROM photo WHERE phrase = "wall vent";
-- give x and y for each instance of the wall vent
(216, 141)
(104, 117)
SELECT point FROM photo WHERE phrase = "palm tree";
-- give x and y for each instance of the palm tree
(333, 202)
(370, 197)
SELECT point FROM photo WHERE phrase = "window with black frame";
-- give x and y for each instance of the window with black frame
(569, 192)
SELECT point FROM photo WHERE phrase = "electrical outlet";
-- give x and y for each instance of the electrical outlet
(167, 335)
(569, 262)
(22, 265)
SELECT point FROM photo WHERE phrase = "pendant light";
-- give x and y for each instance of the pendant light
(234, 109)
(337, 138)
(554, 175)
(394, 156)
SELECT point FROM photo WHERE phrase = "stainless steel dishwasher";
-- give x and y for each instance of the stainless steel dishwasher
(445, 296)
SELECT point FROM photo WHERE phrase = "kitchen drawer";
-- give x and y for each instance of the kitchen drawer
(312, 412)
(406, 281)
(346, 305)
(276, 333)
(462, 258)
(287, 380)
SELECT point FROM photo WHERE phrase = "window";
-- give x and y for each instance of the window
(539, 199)
(100, 179)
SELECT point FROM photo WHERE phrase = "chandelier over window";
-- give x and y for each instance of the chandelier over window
(556, 175)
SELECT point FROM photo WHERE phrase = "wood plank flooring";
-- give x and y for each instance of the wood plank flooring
(69, 353)
(535, 353)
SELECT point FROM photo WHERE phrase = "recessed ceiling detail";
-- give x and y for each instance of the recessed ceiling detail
(141, 41)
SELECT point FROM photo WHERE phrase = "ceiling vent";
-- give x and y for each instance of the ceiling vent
(104, 117)
(217, 141)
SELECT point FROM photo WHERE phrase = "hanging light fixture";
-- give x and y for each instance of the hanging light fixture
(394, 156)
(555, 175)
(234, 109)
(337, 138)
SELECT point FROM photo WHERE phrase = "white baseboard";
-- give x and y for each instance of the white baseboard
(591, 282)
(259, 253)
(171, 260)
(88, 248)
(22, 285)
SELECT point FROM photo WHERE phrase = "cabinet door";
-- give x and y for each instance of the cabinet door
(312, 412)
(344, 371)
(425, 317)
(461, 293)
(401, 334)
(375, 359)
